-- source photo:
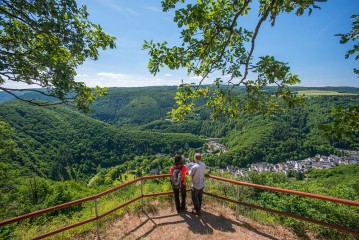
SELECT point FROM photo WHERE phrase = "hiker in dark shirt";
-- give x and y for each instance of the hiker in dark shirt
(178, 182)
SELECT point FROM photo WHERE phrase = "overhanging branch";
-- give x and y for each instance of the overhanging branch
(34, 101)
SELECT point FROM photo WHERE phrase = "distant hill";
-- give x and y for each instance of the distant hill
(292, 134)
(139, 106)
(352, 90)
(6, 97)
(134, 106)
(164, 97)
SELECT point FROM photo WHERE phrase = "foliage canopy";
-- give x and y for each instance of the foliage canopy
(216, 46)
(353, 36)
(43, 42)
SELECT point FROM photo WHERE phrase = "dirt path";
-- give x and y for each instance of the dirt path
(216, 222)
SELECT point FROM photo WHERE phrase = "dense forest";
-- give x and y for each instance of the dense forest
(61, 144)
(50, 155)
(290, 135)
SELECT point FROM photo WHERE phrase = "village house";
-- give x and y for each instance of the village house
(155, 171)
(318, 162)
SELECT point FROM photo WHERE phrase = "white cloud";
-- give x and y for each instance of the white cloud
(196, 78)
(18, 85)
(108, 79)
(154, 9)
(113, 5)
(131, 11)
(112, 75)
(168, 75)
(81, 75)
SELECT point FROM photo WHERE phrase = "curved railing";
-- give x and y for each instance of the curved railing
(143, 195)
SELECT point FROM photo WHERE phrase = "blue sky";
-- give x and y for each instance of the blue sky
(307, 43)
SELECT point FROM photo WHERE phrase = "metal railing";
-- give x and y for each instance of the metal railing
(293, 192)
(142, 195)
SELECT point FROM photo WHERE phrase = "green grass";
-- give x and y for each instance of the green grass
(323, 93)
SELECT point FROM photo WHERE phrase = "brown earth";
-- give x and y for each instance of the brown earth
(161, 221)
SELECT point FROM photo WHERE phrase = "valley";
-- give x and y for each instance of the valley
(55, 154)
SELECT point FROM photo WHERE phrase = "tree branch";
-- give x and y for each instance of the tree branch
(32, 101)
(263, 18)
(230, 29)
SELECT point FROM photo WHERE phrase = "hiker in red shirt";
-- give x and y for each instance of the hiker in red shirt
(178, 182)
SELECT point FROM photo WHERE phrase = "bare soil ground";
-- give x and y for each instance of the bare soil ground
(161, 221)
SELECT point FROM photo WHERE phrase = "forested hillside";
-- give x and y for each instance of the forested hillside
(59, 143)
(134, 106)
(289, 135)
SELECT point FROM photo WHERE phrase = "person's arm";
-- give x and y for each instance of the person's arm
(192, 171)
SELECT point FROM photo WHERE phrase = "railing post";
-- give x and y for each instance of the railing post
(237, 206)
(142, 194)
(97, 220)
